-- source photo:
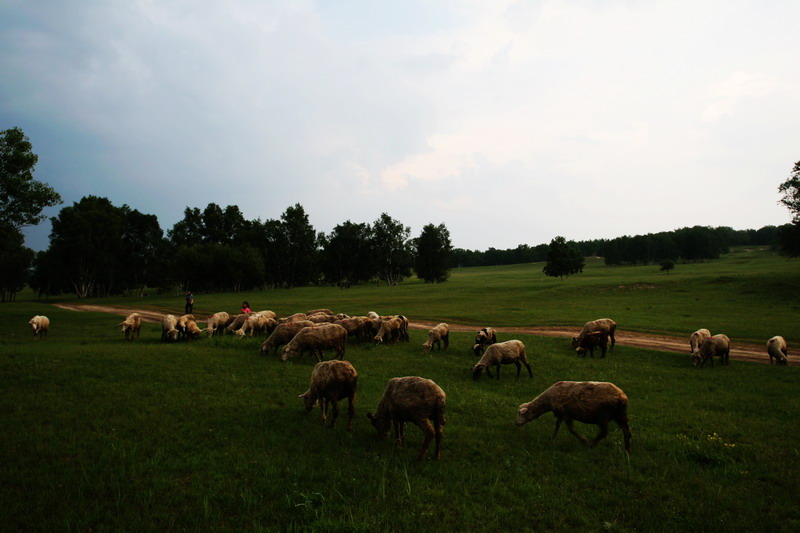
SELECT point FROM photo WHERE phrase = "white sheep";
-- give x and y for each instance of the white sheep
(411, 399)
(590, 402)
(695, 340)
(217, 321)
(502, 353)
(168, 330)
(332, 381)
(131, 326)
(40, 324)
(437, 335)
(718, 345)
(315, 339)
(777, 350)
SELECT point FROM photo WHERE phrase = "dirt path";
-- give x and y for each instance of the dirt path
(740, 351)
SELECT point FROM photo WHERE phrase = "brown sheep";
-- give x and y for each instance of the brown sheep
(390, 331)
(437, 335)
(355, 326)
(131, 326)
(193, 331)
(777, 350)
(590, 341)
(718, 345)
(502, 353)
(411, 399)
(217, 321)
(236, 323)
(484, 338)
(282, 334)
(316, 339)
(293, 318)
(332, 381)
(590, 402)
(40, 324)
(319, 311)
(601, 324)
(322, 318)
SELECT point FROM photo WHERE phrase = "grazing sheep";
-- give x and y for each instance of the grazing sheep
(217, 321)
(436, 335)
(502, 353)
(697, 338)
(590, 402)
(282, 334)
(373, 315)
(321, 318)
(590, 341)
(601, 324)
(485, 337)
(267, 313)
(131, 326)
(293, 318)
(356, 326)
(256, 323)
(719, 345)
(237, 322)
(776, 348)
(316, 339)
(319, 311)
(390, 330)
(411, 399)
(193, 331)
(39, 324)
(332, 381)
(168, 331)
(181, 325)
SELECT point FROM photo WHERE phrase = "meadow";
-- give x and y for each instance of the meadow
(106, 435)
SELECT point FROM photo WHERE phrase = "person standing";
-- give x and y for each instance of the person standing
(189, 303)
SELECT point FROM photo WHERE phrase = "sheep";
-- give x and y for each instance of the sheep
(590, 402)
(719, 345)
(319, 311)
(776, 348)
(373, 315)
(411, 399)
(256, 323)
(192, 330)
(282, 334)
(390, 330)
(485, 337)
(237, 322)
(437, 335)
(217, 321)
(40, 324)
(601, 324)
(168, 331)
(320, 318)
(697, 338)
(591, 341)
(332, 381)
(181, 324)
(502, 353)
(267, 313)
(355, 326)
(293, 318)
(131, 326)
(316, 339)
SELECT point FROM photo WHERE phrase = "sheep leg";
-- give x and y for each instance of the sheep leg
(335, 414)
(351, 410)
(600, 436)
(519, 368)
(530, 372)
(427, 428)
(572, 430)
(437, 426)
(446, 344)
(558, 425)
(323, 407)
(622, 422)
(498, 371)
(489, 371)
(613, 342)
(399, 430)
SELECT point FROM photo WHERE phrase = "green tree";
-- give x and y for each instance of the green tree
(562, 260)
(301, 251)
(667, 265)
(16, 259)
(433, 251)
(392, 249)
(144, 248)
(22, 198)
(789, 234)
(346, 254)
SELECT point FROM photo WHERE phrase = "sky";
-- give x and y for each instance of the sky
(511, 122)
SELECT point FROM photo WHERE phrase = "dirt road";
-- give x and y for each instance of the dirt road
(740, 351)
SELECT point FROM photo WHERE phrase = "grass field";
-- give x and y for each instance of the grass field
(100, 434)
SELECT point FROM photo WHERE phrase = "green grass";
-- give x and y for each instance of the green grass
(101, 434)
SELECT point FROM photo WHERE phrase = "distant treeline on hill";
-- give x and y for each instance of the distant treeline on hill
(698, 243)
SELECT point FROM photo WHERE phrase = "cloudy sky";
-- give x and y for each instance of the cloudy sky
(508, 121)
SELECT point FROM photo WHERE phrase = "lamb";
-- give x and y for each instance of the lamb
(217, 321)
(502, 353)
(411, 399)
(131, 326)
(719, 345)
(485, 337)
(590, 402)
(282, 334)
(168, 330)
(332, 381)
(601, 324)
(316, 339)
(591, 341)
(776, 348)
(697, 339)
(437, 335)
(40, 324)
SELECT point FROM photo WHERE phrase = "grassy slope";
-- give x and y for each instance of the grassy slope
(103, 434)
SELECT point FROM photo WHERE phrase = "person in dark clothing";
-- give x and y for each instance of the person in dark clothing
(189, 303)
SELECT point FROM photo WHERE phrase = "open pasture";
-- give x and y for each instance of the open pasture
(103, 434)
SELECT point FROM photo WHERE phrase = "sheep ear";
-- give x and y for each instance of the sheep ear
(523, 410)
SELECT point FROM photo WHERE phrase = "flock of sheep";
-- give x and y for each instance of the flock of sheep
(416, 399)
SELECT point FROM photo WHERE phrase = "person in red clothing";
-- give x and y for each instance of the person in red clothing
(246, 308)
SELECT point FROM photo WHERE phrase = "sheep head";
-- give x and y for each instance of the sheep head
(382, 425)
(530, 411)
(309, 401)
(477, 370)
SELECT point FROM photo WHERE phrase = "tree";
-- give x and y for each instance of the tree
(562, 260)
(433, 250)
(789, 234)
(346, 256)
(143, 252)
(301, 256)
(667, 265)
(22, 198)
(392, 249)
(16, 259)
